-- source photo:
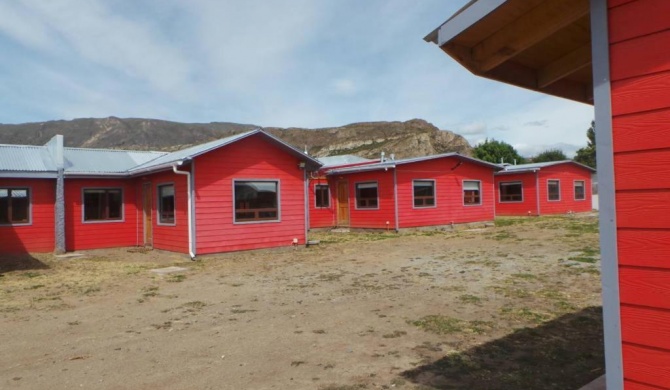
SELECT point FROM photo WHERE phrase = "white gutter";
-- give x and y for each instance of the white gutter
(191, 251)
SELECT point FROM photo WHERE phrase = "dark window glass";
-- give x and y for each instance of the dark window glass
(580, 194)
(14, 205)
(554, 188)
(322, 195)
(166, 203)
(366, 195)
(511, 192)
(103, 205)
(471, 192)
(256, 201)
(424, 193)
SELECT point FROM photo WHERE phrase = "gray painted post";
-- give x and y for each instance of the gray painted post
(605, 159)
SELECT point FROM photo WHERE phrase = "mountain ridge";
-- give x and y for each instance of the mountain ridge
(412, 138)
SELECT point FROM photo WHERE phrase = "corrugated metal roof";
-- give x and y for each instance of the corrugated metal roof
(537, 166)
(25, 158)
(344, 159)
(392, 163)
(100, 161)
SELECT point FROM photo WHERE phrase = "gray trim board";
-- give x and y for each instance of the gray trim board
(466, 18)
(605, 158)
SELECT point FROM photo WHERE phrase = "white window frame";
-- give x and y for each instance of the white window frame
(328, 197)
(434, 205)
(356, 184)
(236, 222)
(30, 205)
(481, 193)
(509, 183)
(158, 204)
(83, 206)
(574, 190)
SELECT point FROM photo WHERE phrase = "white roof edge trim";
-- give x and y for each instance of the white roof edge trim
(469, 16)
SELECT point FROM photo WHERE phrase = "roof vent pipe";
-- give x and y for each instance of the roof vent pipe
(392, 157)
(382, 158)
(189, 214)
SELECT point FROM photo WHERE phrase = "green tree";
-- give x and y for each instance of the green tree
(493, 151)
(550, 155)
(587, 155)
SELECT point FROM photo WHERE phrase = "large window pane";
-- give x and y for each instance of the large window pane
(103, 204)
(580, 193)
(366, 196)
(166, 203)
(14, 205)
(511, 192)
(322, 195)
(471, 192)
(424, 193)
(554, 190)
(256, 201)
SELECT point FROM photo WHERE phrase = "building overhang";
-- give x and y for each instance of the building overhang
(541, 45)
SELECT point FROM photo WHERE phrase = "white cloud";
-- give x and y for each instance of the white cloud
(344, 87)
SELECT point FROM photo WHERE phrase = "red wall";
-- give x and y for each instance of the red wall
(529, 190)
(449, 205)
(640, 73)
(323, 216)
(167, 237)
(370, 218)
(566, 174)
(81, 235)
(250, 158)
(39, 235)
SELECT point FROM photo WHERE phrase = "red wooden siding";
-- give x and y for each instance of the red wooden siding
(529, 204)
(39, 235)
(372, 218)
(168, 237)
(81, 235)
(567, 174)
(449, 205)
(320, 217)
(640, 73)
(250, 158)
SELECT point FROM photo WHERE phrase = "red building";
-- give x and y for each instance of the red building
(425, 191)
(556, 187)
(611, 54)
(243, 192)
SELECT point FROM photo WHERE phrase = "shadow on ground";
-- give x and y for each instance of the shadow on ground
(19, 262)
(565, 353)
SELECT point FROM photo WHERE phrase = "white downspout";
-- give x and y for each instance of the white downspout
(191, 252)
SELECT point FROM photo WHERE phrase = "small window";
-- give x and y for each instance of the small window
(14, 206)
(256, 201)
(424, 193)
(580, 194)
(366, 196)
(103, 205)
(471, 192)
(322, 195)
(511, 192)
(553, 190)
(166, 204)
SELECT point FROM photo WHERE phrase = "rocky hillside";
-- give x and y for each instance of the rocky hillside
(368, 139)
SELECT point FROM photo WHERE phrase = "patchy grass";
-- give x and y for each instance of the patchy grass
(448, 325)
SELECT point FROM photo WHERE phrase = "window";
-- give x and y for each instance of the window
(471, 192)
(166, 204)
(511, 192)
(580, 194)
(14, 205)
(256, 201)
(424, 193)
(322, 195)
(553, 190)
(103, 205)
(366, 196)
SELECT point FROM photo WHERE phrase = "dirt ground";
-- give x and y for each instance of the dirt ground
(515, 306)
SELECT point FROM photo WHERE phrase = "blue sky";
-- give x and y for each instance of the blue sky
(300, 63)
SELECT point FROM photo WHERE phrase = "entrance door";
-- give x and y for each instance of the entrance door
(342, 203)
(146, 214)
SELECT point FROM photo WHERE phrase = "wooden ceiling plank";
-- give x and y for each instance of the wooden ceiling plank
(564, 66)
(527, 30)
